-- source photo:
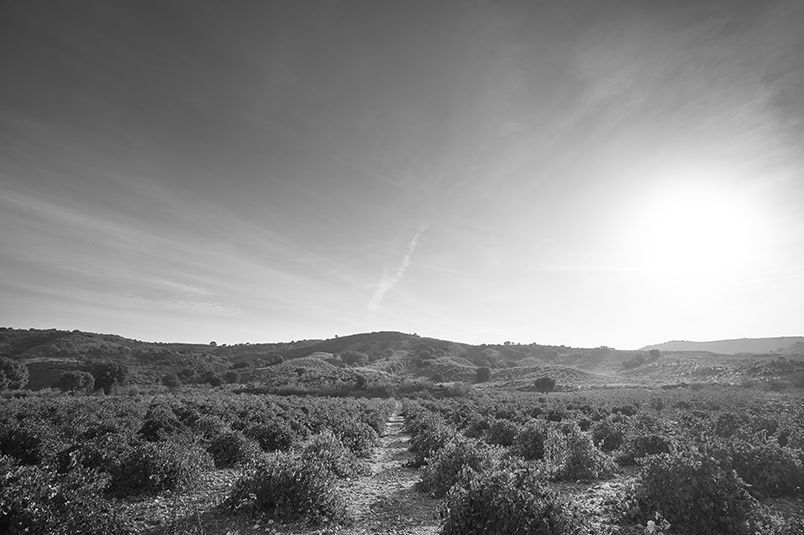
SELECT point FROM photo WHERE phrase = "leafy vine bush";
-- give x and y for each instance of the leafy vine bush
(429, 433)
(272, 435)
(34, 500)
(232, 448)
(529, 442)
(287, 488)
(695, 494)
(327, 449)
(30, 442)
(608, 434)
(571, 455)
(160, 423)
(358, 437)
(502, 432)
(507, 499)
(639, 445)
(150, 468)
(770, 470)
(447, 463)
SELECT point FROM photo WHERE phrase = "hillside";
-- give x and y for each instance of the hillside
(382, 362)
(790, 345)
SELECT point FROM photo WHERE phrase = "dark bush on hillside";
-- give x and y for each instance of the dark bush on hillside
(110, 375)
(695, 494)
(327, 449)
(209, 427)
(272, 435)
(171, 380)
(33, 500)
(13, 374)
(544, 384)
(502, 432)
(232, 448)
(529, 442)
(102, 452)
(354, 358)
(150, 468)
(446, 464)
(571, 455)
(482, 374)
(507, 499)
(286, 488)
(608, 435)
(231, 377)
(556, 414)
(76, 381)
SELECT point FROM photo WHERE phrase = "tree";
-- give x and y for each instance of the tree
(171, 380)
(13, 373)
(76, 381)
(354, 358)
(231, 377)
(109, 375)
(483, 374)
(545, 384)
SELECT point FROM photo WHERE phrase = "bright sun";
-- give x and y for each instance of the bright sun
(695, 230)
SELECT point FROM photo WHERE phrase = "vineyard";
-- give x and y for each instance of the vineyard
(606, 461)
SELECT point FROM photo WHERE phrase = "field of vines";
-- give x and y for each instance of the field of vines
(607, 461)
(657, 462)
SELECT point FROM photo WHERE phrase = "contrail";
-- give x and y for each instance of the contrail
(389, 280)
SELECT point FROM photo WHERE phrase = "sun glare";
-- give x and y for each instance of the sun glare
(697, 230)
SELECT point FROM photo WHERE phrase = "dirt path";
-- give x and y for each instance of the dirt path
(386, 501)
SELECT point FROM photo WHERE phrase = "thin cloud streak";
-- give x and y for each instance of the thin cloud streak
(389, 280)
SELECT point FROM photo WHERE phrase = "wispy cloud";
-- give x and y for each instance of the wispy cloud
(390, 279)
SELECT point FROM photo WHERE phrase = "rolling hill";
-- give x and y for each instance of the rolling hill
(392, 358)
(781, 345)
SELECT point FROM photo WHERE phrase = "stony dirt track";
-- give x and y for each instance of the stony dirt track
(384, 501)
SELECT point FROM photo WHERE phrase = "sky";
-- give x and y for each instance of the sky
(590, 173)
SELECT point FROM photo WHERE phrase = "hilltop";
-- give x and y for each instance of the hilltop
(382, 361)
(789, 345)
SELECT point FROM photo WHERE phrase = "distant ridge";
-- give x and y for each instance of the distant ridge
(780, 344)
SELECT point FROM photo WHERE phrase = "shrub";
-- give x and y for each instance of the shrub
(529, 442)
(482, 374)
(507, 499)
(572, 455)
(160, 423)
(608, 435)
(326, 449)
(76, 381)
(429, 437)
(502, 432)
(33, 500)
(641, 445)
(109, 375)
(171, 380)
(286, 488)
(231, 448)
(13, 373)
(272, 435)
(769, 469)
(150, 468)
(544, 384)
(360, 438)
(444, 467)
(695, 494)
(30, 442)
